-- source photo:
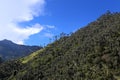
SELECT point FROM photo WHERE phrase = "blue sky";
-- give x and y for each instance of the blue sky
(43, 19)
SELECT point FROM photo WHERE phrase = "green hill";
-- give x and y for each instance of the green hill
(91, 53)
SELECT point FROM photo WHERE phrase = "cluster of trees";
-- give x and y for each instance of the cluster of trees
(0, 59)
(9, 68)
(91, 53)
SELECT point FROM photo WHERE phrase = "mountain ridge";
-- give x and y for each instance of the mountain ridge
(91, 53)
(10, 50)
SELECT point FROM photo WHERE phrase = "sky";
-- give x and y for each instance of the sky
(35, 22)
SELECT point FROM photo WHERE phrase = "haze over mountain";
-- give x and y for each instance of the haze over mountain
(91, 53)
(10, 50)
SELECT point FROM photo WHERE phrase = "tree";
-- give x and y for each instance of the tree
(62, 34)
(0, 59)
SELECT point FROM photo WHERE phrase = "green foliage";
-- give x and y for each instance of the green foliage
(91, 53)
(8, 68)
(1, 59)
(30, 57)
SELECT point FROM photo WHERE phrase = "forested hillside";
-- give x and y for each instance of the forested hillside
(91, 53)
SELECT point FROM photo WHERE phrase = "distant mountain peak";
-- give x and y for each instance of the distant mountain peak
(5, 40)
(11, 50)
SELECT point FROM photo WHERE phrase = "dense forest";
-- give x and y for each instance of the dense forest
(91, 53)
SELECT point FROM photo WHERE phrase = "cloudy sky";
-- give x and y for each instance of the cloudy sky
(34, 22)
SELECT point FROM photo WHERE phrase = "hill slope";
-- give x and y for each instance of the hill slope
(91, 53)
(10, 50)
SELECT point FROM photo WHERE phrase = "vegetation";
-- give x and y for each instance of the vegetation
(91, 53)
(30, 57)
(0, 59)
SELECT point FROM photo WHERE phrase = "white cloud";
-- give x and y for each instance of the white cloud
(14, 11)
(51, 27)
(49, 31)
(49, 35)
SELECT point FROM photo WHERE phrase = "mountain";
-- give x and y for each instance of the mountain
(10, 50)
(91, 53)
